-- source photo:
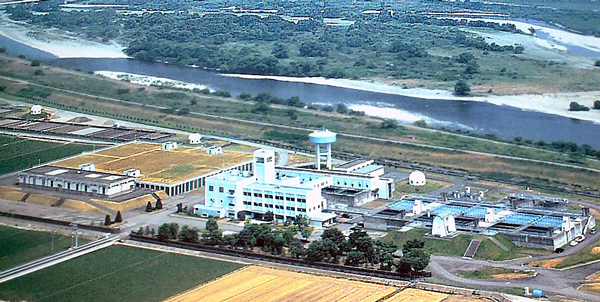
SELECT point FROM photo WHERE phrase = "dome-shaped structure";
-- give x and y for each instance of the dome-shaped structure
(417, 178)
(36, 109)
(195, 138)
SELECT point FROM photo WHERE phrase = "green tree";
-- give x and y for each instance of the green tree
(107, 220)
(519, 49)
(168, 231)
(418, 259)
(188, 234)
(38, 72)
(574, 106)
(159, 204)
(412, 244)
(212, 225)
(118, 218)
(597, 64)
(465, 57)
(269, 216)
(389, 124)
(597, 104)
(36, 63)
(244, 96)
(297, 251)
(342, 109)
(149, 207)
(242, 216)
(355, 258)
(462, 88)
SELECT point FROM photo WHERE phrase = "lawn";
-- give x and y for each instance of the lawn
(403, 188)
(18, 153)
(117, 273)
(457, 245)
(18, 246)
(496, 273)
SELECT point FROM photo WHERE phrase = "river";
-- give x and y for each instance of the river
(480, 117)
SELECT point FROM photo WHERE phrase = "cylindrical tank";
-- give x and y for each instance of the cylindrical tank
(322, 137)
(537, 293)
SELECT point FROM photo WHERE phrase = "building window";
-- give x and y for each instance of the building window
(221, 189)
(211, 188)
(290, 208)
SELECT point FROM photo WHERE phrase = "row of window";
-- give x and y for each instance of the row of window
(278, 207)
(276, 197)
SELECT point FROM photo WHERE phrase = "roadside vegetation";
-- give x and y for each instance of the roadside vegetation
(357, 249)
(496, 273)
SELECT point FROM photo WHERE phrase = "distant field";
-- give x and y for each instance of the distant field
(18, 153)
(18, 246)
(116, 273)
(403, 188)
(155, 164)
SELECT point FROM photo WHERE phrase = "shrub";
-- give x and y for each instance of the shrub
(574, 106)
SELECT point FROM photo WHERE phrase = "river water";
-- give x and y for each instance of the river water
(504, 121)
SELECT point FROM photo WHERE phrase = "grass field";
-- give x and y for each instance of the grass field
(19, 153)
(403, 188)
(266, 285)
(589, 254)
(155, 164)
(496, 273)
(116, 273)
(458, 245)
(18, 246)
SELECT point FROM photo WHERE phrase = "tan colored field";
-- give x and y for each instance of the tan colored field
(81, 206)
(552, 263)
(44, 200)
(590, 287)
(510, 276)
(295, 159)
(466, 299)
(11, 193)
(417, 295)
(128, 205)
(265, 284)
(594, 277)
(155, 164)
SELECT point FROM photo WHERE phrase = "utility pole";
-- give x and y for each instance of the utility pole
(74, 234)
(52, 243)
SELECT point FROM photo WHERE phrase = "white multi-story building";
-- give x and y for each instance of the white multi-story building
(264, 191)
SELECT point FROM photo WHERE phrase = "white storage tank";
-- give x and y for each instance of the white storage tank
(417, 178)
(195, 138)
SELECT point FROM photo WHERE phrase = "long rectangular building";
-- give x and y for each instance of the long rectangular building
(67, 179)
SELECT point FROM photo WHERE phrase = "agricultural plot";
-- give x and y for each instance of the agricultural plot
(117, 273)
(18, 246)
(19, 153)
(155, 164)
(416, 295)
(269, 285)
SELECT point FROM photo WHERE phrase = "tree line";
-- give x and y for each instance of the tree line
(357, 249)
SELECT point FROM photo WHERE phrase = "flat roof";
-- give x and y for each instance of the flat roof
(155, 164)
(78, 175)
(353, 163)
(324, 172)
(368, 169)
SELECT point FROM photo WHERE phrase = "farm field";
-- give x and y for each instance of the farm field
(18, 153)
(155, 164)
(18, 246)
(266, 285)
(263, 284)
(117, 273)
(416, 295)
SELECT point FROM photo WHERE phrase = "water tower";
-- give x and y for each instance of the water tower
(322, 140)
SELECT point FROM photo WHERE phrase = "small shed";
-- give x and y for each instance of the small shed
(215, 150)
(195, 138)
(417, 178)
(169, 146)
(36, 110)
(133, 173)
(443, 225)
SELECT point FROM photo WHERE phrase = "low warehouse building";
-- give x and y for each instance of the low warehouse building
(65, 179)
